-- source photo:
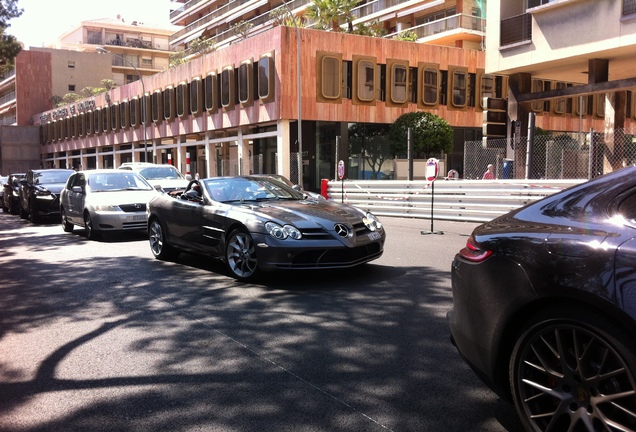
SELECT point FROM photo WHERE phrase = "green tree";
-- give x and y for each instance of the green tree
(431, 134)
(242, 29)
(328, 13)
(9, 45)
(373, 28)
(370, 142)
(407, 36)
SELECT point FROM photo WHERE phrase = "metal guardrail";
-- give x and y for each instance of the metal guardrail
(453, 200)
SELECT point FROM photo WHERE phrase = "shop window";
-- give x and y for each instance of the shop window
(366, 80)
(211, 93)
(182, 103)
(431, 86)
(330, 80)
(459, 88)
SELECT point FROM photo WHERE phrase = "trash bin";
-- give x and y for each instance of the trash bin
(507, 169)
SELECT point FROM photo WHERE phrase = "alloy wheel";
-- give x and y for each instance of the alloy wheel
(241, 255)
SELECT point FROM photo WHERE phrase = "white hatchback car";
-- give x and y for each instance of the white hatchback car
(105, 201)
(166, 176)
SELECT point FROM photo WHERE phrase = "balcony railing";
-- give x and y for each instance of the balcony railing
(7, 74)
(8, 121)
(516, 30)
(7, 98)
(454, 22)
(184, 8)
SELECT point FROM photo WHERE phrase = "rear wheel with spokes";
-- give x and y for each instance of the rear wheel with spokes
(574, 372)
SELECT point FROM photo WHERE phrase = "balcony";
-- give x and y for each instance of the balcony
(455, 22)
(516, 30)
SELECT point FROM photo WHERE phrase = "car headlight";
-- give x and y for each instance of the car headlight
(42, 192)
(107, 208)
(282, 232)
(372, 222)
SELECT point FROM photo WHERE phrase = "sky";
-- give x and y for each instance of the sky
(43, 21)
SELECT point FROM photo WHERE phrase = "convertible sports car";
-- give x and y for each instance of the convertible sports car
(258, 224)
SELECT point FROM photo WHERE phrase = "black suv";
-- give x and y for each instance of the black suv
(40, 192)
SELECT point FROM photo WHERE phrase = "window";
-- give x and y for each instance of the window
(459, 88)
(81, 124)
(71, 87)
(168, 103)
(537, 86)
(157, 105)
(366, 80)
(487, 88)
(105, 119)
(265, 77)
(146, 63)
(114, 116)
(600, 105)
(124, 114)
(227, 93)
(398, 91)
(330, 77)
(196, 91)
(210, 91)
(88, 118)
(71, 64)
(431, 86)
(537, 3)
(560, 105)
(245, 82)
(182, 99)
(134, 111)
(97, 114)
(629, 7)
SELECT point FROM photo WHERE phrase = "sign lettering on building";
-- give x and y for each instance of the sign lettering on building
(68, 110)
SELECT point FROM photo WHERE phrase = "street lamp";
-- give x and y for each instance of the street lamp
(103, 50)
(300, 123)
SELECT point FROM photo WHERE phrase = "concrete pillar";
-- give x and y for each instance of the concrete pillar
(243, 154)
(615, 108)
(519, 84)
(210, 157)
(283, 149)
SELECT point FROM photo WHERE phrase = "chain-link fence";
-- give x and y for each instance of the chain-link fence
(552, 156)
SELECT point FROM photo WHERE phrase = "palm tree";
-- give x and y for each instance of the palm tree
(329, 13)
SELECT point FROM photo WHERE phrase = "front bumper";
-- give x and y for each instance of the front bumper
(119, 221)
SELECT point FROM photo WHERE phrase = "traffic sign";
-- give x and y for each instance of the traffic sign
(432, 169)
(341, 169)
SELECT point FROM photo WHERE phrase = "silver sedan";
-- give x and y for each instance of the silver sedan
(105, 201)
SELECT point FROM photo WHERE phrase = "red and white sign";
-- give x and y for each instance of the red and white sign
(341, 170)
(432, 169)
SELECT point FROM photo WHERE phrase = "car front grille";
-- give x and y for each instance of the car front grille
(320, 234)
(137, 225)
(131, 208)
(336, 258)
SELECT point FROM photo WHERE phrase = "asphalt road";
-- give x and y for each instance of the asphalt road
(100, 336)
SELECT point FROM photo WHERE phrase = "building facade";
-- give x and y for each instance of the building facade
(571, 63)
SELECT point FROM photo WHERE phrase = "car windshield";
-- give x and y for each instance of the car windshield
(241, 189)
(50, 177)
(161, 173)
(107, 182)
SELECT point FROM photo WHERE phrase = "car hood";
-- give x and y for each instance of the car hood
(121, 197)
(307, 213)
(55, 188)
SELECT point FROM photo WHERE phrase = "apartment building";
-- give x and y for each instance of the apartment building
(570, 62)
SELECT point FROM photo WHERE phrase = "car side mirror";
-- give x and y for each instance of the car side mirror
(78, 189)
(158, 188)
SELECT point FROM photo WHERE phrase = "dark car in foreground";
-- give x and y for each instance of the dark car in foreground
(40, 193)
(544, 306)
(259, 224)
(11, 194)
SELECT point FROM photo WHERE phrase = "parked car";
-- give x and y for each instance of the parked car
(105, 201)
(544, 306)
(258, 224)
(166, 176)
(39, 193)
(289, 183)
(3, 181)
(11, 194)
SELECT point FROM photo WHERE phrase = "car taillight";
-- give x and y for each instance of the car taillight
(473, 252)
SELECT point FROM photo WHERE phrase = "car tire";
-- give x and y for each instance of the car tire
(573, 370)
(88, 226)
(66, 225)
(158, 244)
(240, 255)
